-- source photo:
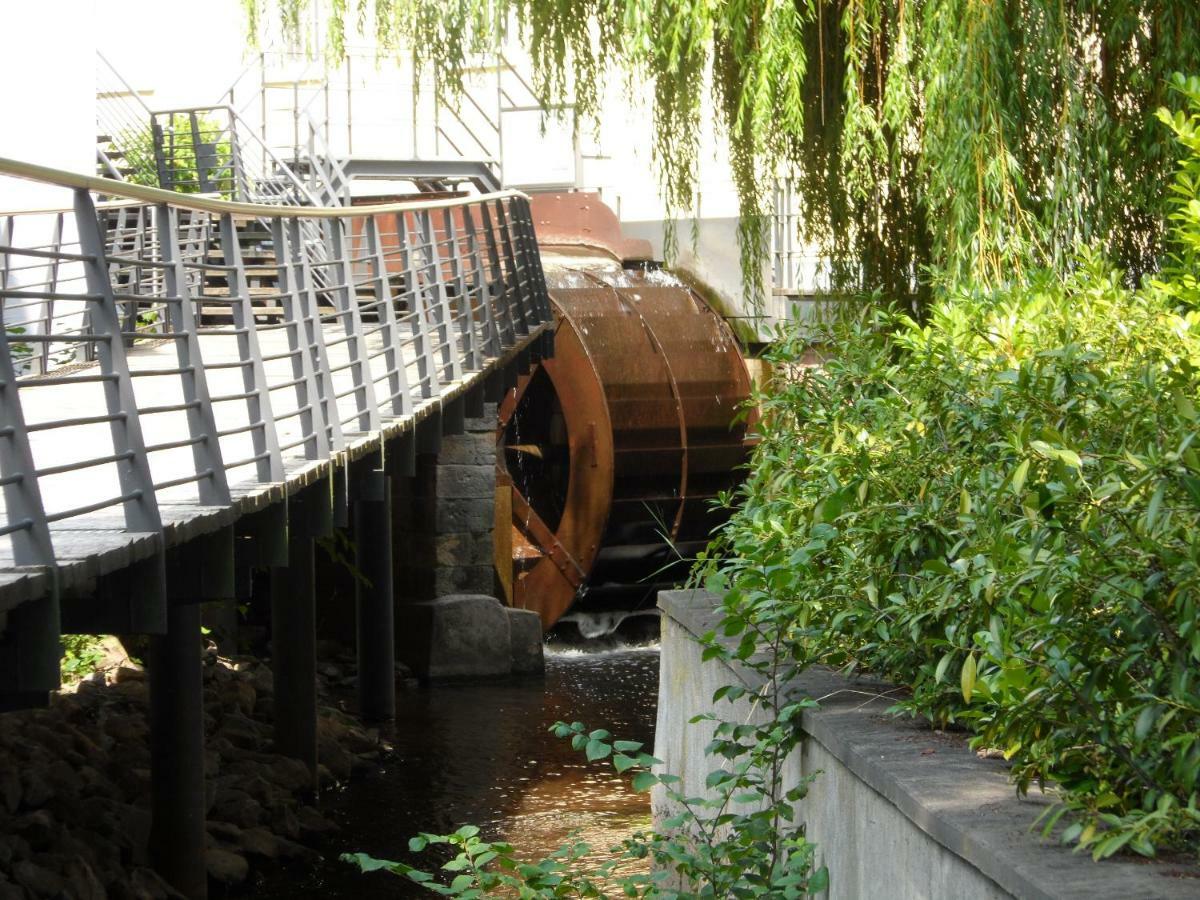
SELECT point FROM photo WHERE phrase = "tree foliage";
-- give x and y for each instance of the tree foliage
(998, 508)
(952, 138)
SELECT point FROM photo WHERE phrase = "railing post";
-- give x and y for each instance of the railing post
(393, 354)
(438, 300)
(6, 239)
(312, 413)
(430, 384)
(514, 278)
(31, 544)
(513, 299)
(490, 330)
(213, 490)
(313, 335)
(265, 438)
(34, 628)
(533, 259)
(141, 507)
(356, 346)
(471, 355)
(497, 293)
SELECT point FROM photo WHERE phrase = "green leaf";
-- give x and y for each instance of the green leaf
(597, 749)
(968, 677)
(1019, 475)
(628, 746)
(1061, 454)
(623, 763)
(643, 781)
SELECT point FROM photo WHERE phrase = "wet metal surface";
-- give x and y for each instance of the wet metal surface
(480, 753)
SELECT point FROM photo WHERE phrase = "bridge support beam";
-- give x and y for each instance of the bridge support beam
(372, 518)
(177, 752)
(293, 630)
(197, 572)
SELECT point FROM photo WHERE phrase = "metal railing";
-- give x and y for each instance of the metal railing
(172, 367)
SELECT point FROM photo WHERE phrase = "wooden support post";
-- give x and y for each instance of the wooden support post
(197, 572)
(293, 629)
(372, 516)
(177, 752)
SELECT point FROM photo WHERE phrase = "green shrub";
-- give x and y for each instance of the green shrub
(1000, 509)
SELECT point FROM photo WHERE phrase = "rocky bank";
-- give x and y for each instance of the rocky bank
(75, 782)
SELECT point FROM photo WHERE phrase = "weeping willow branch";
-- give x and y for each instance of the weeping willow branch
(932, 141)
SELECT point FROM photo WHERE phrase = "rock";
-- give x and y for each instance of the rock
(236, 806)
(291, 774)
(284, 821)
(38, 881)
(146, 884)
(35, 790)
(82, 881)
(292, 850)
(225, 866)
(37, 827)
(10, 788)
(313, 822)
(226, 831)
(129, 672)
(244, 732)
(127, 729)
(336, 757)
(454, 636)
(525, 630)
(259, 842)
(9, 891)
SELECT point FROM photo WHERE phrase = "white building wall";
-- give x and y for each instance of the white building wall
(47, 116)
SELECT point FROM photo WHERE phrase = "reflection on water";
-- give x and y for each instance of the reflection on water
(480, 753)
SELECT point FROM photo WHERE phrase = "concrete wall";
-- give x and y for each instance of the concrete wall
(898, 811)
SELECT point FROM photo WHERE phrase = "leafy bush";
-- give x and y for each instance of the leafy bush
(1000, 509)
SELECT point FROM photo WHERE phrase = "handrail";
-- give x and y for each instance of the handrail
(165, 347)
(199, 203)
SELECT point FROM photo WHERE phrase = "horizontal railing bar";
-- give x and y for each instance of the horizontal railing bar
(45, 254)
(49, 295)
(186, 479)
(247, 461)
(83, 420)
(59, 338)
(199, 203)
(16, 526)
(241, 429)
(92, 507)
(175, 445)
(55, 381)
(84, 464)
(169, 407)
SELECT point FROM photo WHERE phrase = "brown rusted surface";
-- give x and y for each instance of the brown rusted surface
(616, 446)
(581, 219)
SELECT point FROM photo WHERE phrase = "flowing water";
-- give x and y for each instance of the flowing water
(480, 753)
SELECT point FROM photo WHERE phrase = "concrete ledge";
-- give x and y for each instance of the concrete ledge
(899, 811)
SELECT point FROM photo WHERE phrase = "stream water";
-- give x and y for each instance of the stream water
(480, 753)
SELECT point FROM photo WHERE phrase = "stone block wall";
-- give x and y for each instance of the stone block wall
(443, 517)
